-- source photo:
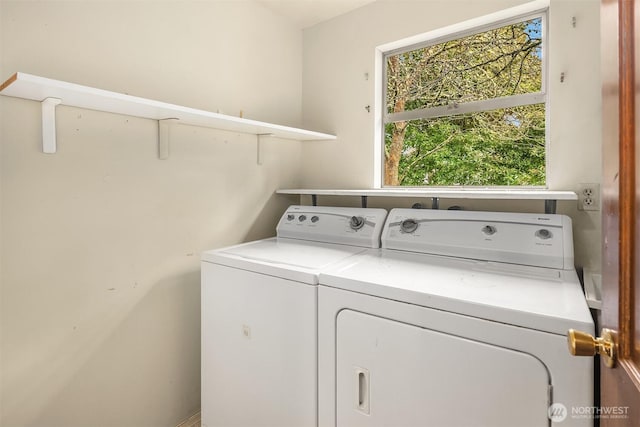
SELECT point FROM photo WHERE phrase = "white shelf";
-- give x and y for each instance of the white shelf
(550, 197)
(40, 89)
(445, 193)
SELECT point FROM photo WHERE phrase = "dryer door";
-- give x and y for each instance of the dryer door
(394, 374)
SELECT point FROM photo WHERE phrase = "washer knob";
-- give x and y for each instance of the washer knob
(409, 225)
(489, 230)
(315, 218)
(302, 218)
(291, 217)
(356, 222)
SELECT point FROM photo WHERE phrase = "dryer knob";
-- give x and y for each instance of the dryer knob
(302, 218)
(409, 225)
(356, 222)
(544, 234)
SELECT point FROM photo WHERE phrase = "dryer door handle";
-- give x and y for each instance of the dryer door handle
(362, 390)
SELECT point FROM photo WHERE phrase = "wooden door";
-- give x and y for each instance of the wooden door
(620, 386)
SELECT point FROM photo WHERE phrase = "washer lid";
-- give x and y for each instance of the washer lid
(544, 299)
(291, 259)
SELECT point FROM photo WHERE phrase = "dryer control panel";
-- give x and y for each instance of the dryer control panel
(540, 240)
(347, 226)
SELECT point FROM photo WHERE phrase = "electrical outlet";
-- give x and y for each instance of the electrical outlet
(588, 197)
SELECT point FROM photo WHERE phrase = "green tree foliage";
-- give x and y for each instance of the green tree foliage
(497, 147)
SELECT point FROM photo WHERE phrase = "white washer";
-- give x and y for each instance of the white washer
(460, 320)
(259, 316)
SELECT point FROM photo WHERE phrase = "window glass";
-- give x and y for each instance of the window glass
(489, 148)
(468, 111)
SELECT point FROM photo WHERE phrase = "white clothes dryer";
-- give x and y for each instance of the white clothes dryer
(259, 316)
(460, 320)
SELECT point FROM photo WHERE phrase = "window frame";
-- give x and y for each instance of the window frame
(527, 11)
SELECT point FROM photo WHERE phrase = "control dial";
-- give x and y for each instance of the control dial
(409, 225)
(291, 217)
(315, 218)
(489, 230)
(302, 218)
(544, 234)
(356, 222)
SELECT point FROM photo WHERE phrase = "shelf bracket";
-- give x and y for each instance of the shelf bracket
(259, 147)
(49, 124)
(550, 206)
(163, 137)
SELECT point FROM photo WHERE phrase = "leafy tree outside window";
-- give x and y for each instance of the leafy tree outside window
(468, 110)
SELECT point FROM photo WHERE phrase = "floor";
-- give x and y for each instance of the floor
(193, 421)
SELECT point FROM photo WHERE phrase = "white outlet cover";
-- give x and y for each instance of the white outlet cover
(589, 197)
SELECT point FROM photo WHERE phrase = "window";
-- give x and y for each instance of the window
(467, 108)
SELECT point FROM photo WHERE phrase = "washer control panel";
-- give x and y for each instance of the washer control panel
(349, 226)
(529, 239)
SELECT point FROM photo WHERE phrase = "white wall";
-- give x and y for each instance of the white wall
(100, 287)
(338, 53)
(99, 243)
